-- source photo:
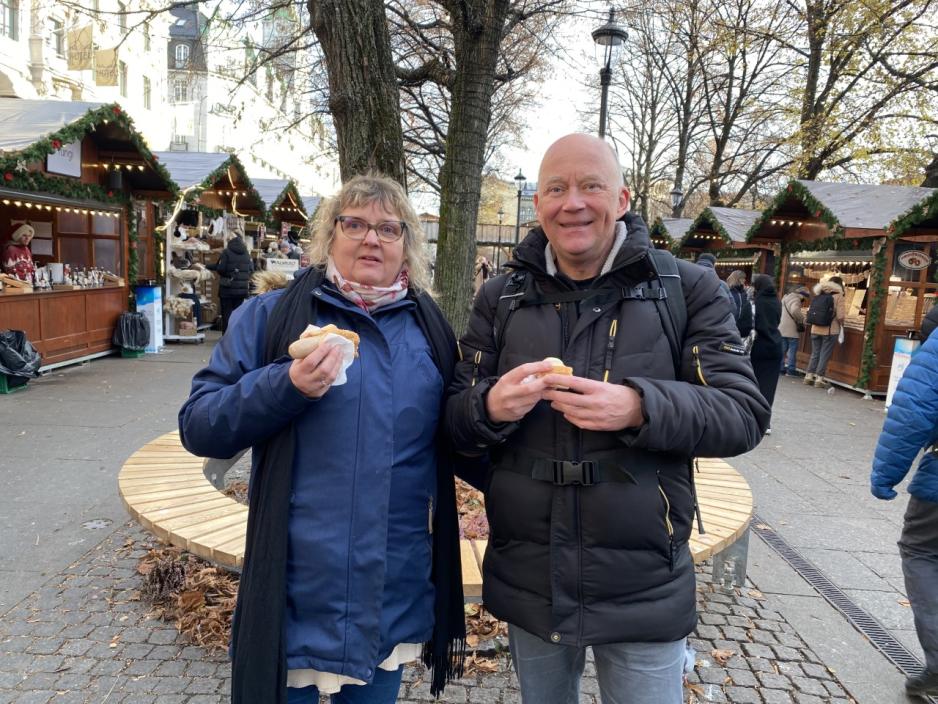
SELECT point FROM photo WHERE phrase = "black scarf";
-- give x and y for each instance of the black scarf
(259, 669)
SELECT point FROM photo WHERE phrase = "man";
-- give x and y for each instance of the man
(590, 498)
(911, 425)
(791, 327)
(705, 259)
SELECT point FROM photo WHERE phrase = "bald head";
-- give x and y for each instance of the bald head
(591, 149)
(580, 195)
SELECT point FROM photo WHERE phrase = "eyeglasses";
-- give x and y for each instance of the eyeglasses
(357, 229)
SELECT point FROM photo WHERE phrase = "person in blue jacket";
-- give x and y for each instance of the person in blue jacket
(351, 566)
(912, 425)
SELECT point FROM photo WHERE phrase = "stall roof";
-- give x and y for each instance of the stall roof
(841, 206)
(29, 127)
(872, 207)
(275, 192)
(732, 223)
(310, 203)
(674, 228)
(203, 170)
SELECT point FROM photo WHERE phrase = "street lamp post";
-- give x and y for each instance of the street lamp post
(609, 36)
(520, 179)
(498, 247)
(677, 201)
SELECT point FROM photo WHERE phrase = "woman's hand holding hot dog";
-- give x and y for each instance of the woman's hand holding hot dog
(313, 375)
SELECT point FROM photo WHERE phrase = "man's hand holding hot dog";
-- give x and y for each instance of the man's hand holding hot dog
(517, 392)
(594, 405)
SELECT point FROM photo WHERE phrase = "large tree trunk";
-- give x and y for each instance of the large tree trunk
(363, 97)
(811, 110)
(477, 27)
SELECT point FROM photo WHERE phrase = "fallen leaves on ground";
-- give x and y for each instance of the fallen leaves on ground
(196, 596)
(238, 491)
(904, 602)
(470, 505)
(756, 594)
(722, 656)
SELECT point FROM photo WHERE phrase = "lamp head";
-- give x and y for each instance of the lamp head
(676, 196)
(610, 34)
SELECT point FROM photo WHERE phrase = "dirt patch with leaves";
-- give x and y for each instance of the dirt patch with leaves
(200, 598)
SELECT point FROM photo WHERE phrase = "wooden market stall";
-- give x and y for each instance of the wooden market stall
(666, 233)
(286, 215)
(881, 241)
(218, 201)
(722, 232)
(83, 179)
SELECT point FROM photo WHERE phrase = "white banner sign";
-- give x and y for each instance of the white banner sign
(66, 161)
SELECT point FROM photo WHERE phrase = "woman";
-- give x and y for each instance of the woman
(824, 337)
(739, 297)
(766, 353)
(352, 560)
(791, 327)
(234, 269)
(17, 256)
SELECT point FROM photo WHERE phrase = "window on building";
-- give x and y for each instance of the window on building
(9, 14)
(180, 91)
(146, 92)
(146, 36)
(182, 55)
(57, 37)
(122, 78)
(122, 16)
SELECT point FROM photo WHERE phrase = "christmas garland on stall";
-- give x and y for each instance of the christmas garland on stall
(809, 201)
(874, 307)
(926, 209)
(834, 242)
(36, 152)
(220, 176)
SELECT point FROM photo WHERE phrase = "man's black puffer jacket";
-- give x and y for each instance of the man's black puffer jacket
(234, 268)
(609, 562)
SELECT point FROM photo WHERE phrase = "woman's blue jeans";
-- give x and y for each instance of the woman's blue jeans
(382, 690)
(628, 673)
(789, 354)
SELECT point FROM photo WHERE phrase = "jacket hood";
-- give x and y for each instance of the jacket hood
(828, 287)
(530, 252)
(237, 246)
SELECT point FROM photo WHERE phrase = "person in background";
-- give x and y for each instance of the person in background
(17, 258)
(351, 566)
(791, 327)
(766, 352)
(824, 337)
(709, 261)
(911, 426)
(739, 297)
(234, 268)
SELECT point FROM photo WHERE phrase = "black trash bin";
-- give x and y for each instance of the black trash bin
(19, 361)
(132, 334)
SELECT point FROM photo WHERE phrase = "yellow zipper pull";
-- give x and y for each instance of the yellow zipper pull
(610, 348)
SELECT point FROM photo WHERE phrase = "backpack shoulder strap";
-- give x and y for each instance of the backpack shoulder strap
(516, 286)
(675, 307)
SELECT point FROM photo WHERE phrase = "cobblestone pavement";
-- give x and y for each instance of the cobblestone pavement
(85, 638)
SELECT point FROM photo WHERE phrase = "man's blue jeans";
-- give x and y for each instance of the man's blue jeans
(382, 690)
(789, 352)
(628, 673)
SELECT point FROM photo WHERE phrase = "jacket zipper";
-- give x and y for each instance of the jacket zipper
(610, 348)
(667, 523)
(695, 350)
(476, 361)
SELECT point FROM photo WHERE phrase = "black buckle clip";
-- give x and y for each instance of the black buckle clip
(570, 473)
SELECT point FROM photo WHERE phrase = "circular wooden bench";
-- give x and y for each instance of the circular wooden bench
(166, 489)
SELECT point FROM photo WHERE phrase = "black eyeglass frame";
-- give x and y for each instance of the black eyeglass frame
(341, 219)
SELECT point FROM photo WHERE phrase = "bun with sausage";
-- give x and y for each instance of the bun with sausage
(313, 335)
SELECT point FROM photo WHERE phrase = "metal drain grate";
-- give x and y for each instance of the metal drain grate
(877, 634)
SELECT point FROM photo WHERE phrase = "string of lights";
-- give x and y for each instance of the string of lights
(31, 205)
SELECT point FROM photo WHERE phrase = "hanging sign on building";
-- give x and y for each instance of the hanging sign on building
(105, 67)
(914, 259)
(80, 48)
(66, 161)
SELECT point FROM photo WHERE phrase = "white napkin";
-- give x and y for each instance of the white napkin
(348, 352)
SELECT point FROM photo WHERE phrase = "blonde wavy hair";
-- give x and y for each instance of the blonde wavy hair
(362, 191)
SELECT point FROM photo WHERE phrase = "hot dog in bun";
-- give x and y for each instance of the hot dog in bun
(313, 335)
(558, 366)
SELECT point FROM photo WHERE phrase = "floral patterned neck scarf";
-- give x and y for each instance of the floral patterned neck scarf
(368, 298)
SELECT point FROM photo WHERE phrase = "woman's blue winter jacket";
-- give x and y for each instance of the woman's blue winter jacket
(364, 483)
(911, 424)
